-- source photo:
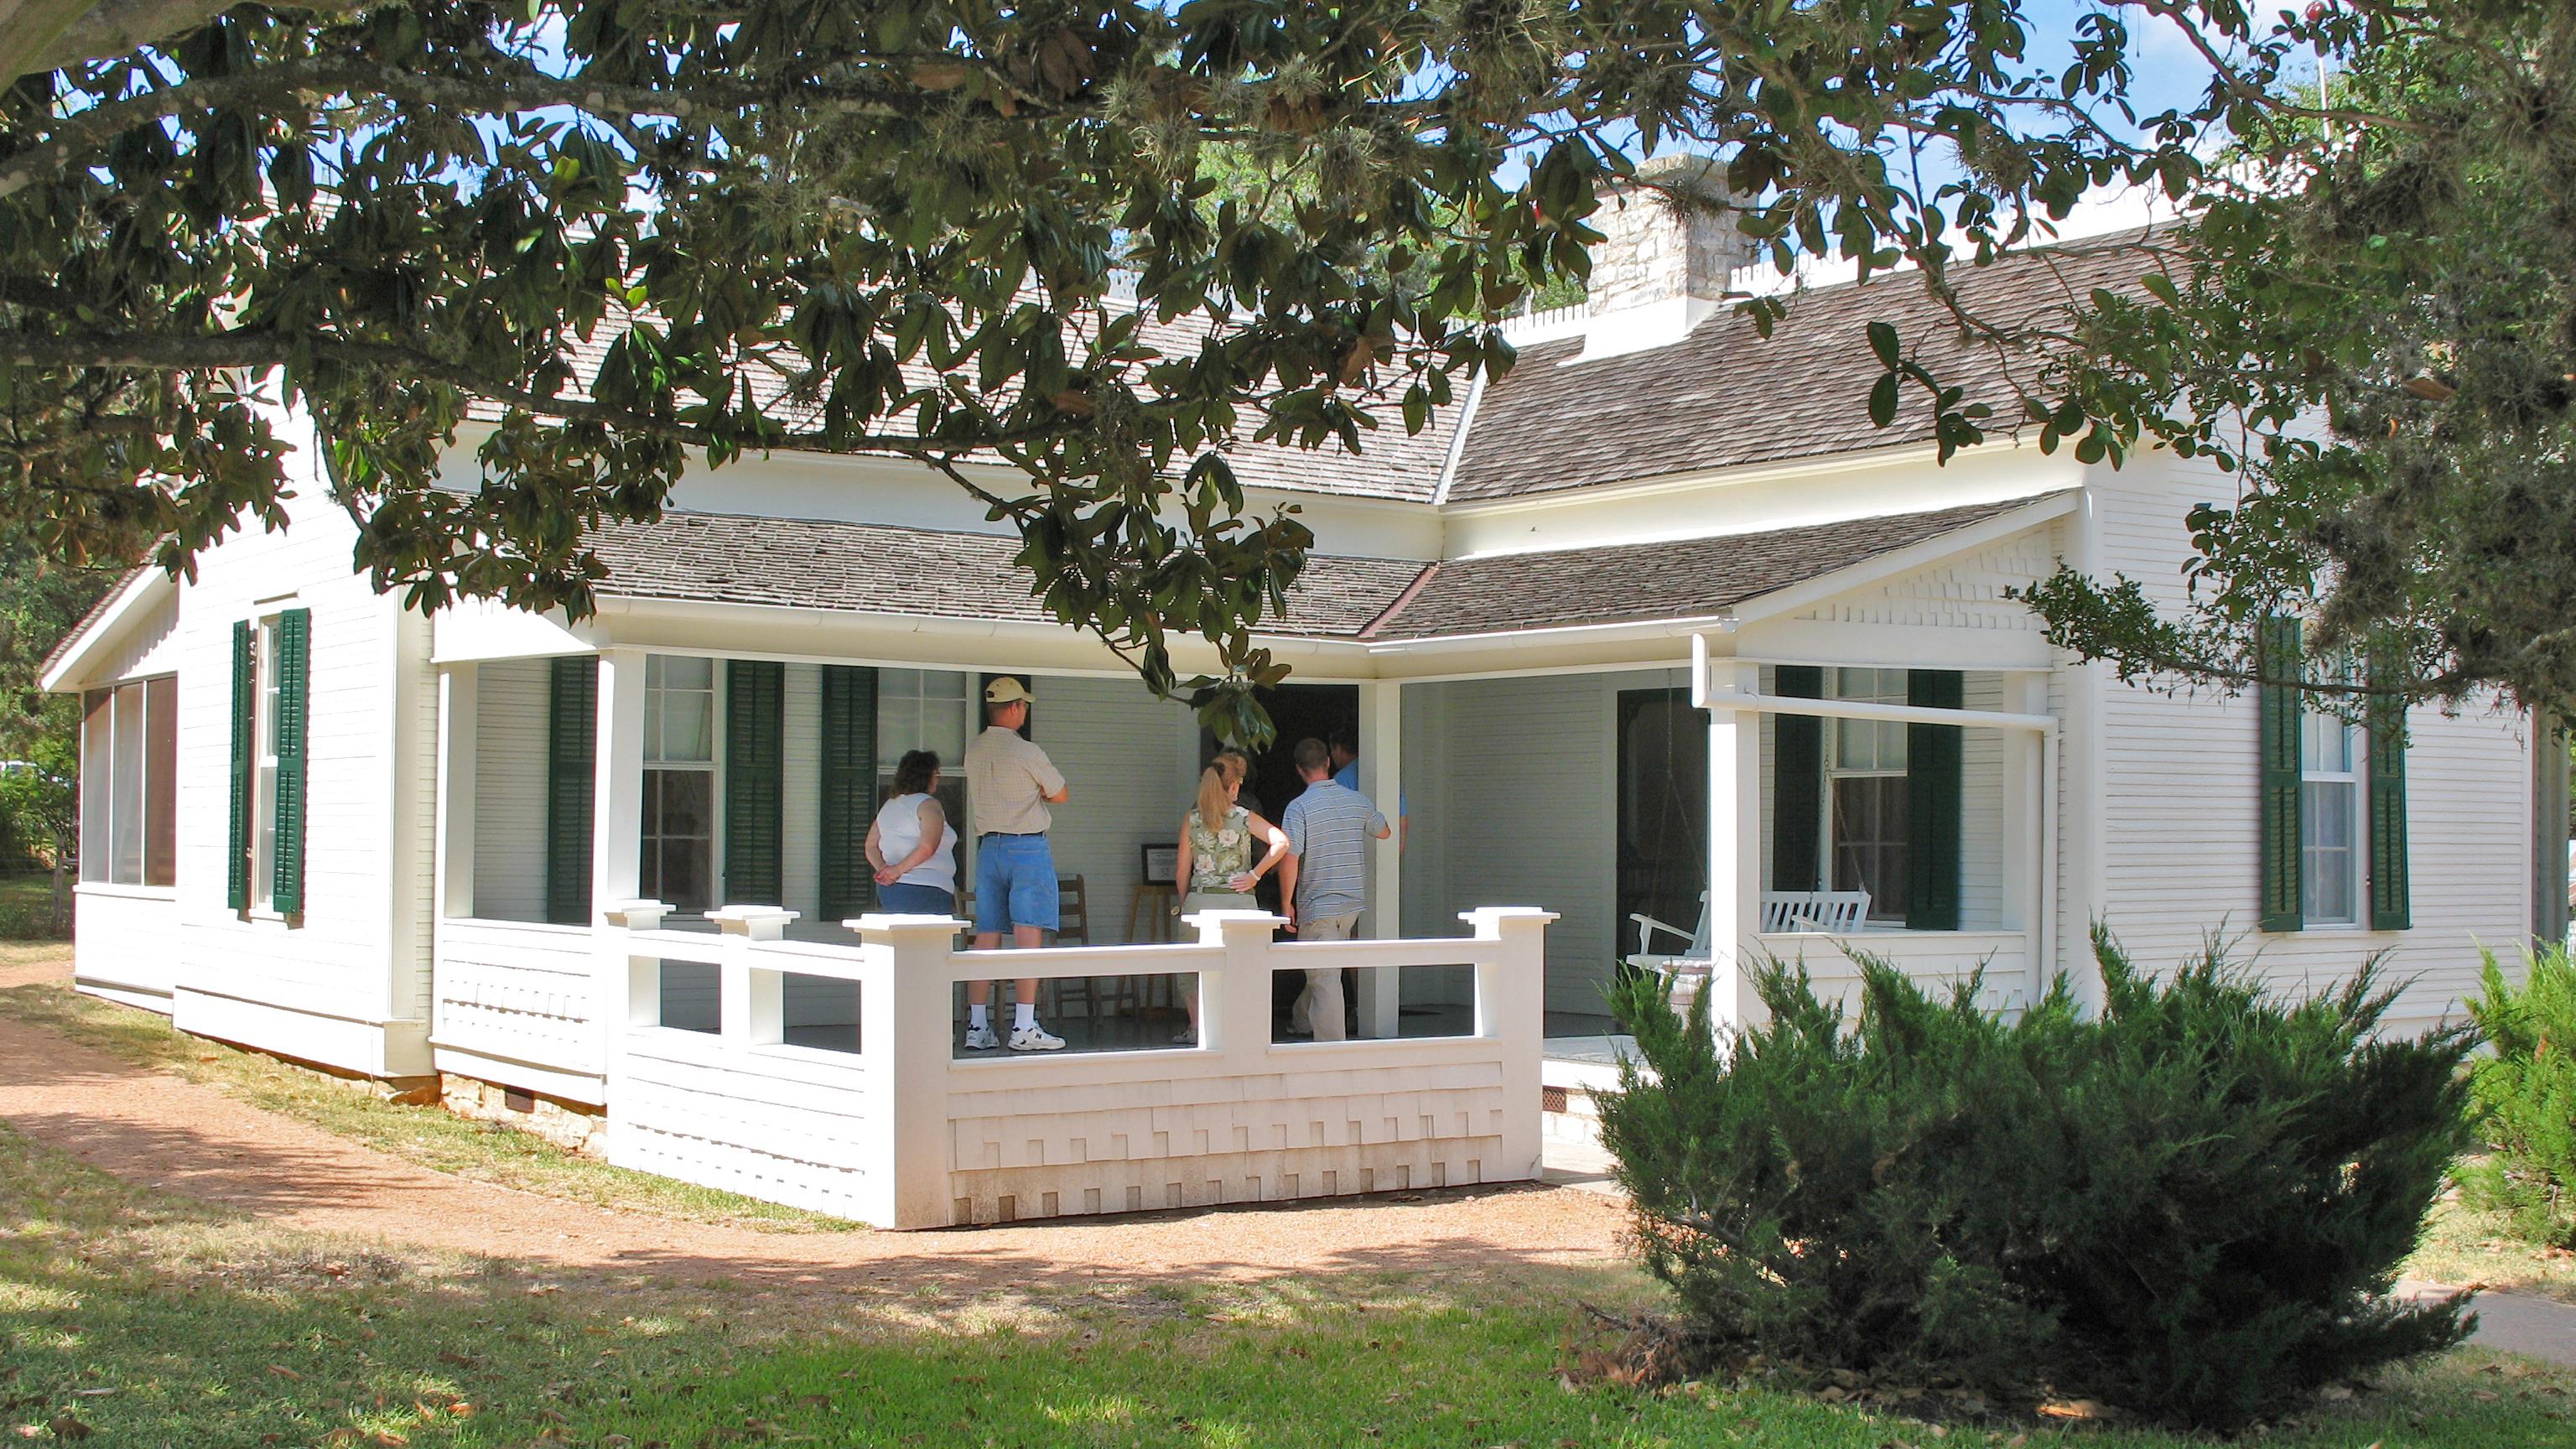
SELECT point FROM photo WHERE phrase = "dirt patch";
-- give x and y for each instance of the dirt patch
(155, 1129)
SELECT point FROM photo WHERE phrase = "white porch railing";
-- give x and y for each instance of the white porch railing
(519, 1003)
(899, 1133)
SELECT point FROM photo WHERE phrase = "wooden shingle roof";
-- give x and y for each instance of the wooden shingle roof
(927, 573)
(1725, 397)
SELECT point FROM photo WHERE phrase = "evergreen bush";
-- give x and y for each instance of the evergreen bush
(2190, 1206)
(2524, 1099)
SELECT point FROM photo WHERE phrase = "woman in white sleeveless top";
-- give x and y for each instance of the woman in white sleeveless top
(911, 844)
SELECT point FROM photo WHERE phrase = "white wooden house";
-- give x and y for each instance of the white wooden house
(1659, 615)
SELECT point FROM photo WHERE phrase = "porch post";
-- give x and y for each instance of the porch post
(1734, 840)
(617, 790)
(2025, 826)
(907, 985)
(459, 705)
(1382, 780)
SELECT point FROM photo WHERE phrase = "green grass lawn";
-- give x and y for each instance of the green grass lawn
(427, 1135)
(2463, 1246)
(27, 905)
(145, 1320)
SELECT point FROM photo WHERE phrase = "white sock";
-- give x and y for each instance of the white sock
(977, 1017)
(1024, 1016)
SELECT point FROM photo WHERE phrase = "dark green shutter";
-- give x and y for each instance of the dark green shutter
(1797, 783)
(849, 803)
(2389, 908)
(294, 661)
(755, 781)
(2276, 656)
(1932, 780)
(245, 690)
(572, 735)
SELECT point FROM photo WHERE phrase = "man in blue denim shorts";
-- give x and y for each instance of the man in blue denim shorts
(1009, 784)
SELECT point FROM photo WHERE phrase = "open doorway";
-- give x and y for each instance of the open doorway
(1663, 814)
(1297, 711)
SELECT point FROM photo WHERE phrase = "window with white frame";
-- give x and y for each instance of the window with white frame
(2330, 820)
(678, 863)
(926, 709)
(264, 739)
(129, 783)
(1865, 834)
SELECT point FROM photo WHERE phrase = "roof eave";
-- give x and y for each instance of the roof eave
(139, 592)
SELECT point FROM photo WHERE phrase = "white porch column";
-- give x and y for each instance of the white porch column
(617, 790)
(2025, 826)
(906, 989)
(1734, 838)
(1382, 780)
(459, 707)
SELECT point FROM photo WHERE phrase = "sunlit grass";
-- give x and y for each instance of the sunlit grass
(2463, 1246)
(428, 1135)
(152, 1321)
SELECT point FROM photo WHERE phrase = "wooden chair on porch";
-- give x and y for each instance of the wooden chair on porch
(1831, 913)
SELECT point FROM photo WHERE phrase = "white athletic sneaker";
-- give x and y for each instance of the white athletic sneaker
(1035, 1039)
(981, 1039)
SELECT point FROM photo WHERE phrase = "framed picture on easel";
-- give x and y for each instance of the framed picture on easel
(1158, 863)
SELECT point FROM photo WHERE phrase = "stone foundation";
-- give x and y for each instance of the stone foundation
(569, 1125)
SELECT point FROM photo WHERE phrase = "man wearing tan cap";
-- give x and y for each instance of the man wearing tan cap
(1009, 784)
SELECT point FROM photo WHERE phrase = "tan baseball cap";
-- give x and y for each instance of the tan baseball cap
(1006, 691)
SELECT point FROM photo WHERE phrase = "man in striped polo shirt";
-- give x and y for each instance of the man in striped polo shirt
(1329, 828)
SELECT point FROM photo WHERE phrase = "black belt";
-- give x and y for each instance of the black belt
(1011, 835)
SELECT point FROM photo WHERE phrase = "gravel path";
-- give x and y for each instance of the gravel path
(155, 1128)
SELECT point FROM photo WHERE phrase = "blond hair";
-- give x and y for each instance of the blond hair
(1216, 794)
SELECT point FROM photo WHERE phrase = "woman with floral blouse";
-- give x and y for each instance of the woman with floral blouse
(1217, 838)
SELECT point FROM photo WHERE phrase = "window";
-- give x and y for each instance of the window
(129, 823)
(678, 864)
(1865, 808)
(926, 709)
(2330, 816)
(263, 794)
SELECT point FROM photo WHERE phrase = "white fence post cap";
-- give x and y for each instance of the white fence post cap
(637, 915)
(760, 923)
(896, 921)
(1494, 916)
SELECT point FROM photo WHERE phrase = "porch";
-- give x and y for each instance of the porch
(580, 793)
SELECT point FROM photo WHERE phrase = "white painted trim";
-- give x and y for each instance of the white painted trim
(146, 998)
(135, 596)
(1660, 484)
(1712, 698)
(1909, 559)
(588, 1088)
(110, 890)
(1458, 441)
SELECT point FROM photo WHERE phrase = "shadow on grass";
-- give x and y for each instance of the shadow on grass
(155, 1320)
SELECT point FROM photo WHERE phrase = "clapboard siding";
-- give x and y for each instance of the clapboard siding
(1513, 804)
(345, 957)
(801, 791)
(512, 720)
(2177, 823)
(1131, 763)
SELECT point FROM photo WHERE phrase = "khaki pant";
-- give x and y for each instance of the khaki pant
(1319, 1006)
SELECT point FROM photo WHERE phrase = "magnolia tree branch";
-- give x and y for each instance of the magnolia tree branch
(181, 353)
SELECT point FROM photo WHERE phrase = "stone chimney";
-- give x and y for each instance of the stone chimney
(1662, 263)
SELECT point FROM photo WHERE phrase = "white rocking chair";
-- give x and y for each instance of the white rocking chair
(1694, 952)
(1831, 913)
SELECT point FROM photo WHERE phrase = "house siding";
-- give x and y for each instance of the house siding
(323, 986)
(1523, 811)
(1130, 763)
(2177, 827)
